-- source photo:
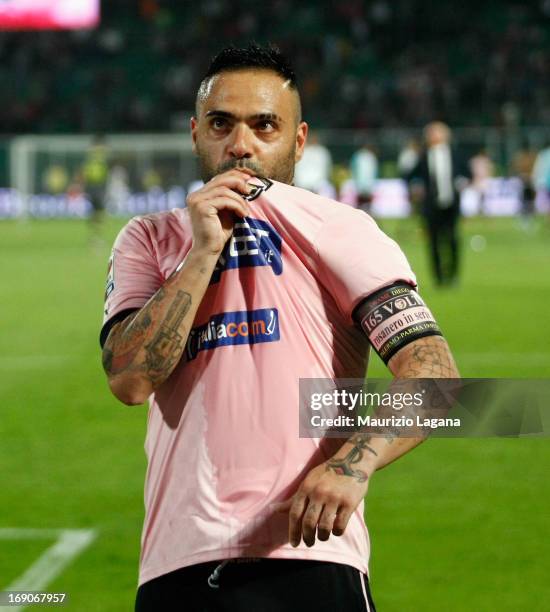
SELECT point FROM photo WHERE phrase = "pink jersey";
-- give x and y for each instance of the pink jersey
(223, 443)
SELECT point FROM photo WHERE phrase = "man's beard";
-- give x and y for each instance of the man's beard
(283, 170)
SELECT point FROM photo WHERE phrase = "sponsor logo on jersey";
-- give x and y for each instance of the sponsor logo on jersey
(253, 243)
(239, 327)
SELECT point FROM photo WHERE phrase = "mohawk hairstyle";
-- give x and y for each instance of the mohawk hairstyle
(252, 56)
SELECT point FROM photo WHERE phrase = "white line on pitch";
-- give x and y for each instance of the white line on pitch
(70, 543)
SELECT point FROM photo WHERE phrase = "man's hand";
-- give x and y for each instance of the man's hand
(331, 492)
(212, 209)
(141, 352)
(329, 495)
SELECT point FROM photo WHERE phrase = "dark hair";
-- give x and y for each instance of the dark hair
(253, 56)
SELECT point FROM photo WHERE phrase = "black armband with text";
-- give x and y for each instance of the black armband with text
(394, 316)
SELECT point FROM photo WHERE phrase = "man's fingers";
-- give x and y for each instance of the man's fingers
(341, 521)
(230, 194)
(283, 506)
(295, 515)
(235, 179)
(197, 200)
(326, 521)
(224, 203)
(221, 194)
(310, 520)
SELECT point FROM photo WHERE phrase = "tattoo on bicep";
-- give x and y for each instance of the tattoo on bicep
(344, 466)
(128, 337)
(162, 352)
(107, 359)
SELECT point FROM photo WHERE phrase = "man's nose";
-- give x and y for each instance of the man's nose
(240, 144)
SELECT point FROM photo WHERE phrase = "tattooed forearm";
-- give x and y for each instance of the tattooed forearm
(426, 358)
(344, 466)
(165, 350)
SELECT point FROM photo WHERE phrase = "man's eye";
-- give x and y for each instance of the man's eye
(266, 126)
(219, 123)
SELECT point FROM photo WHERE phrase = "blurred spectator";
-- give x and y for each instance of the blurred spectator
(523, 164)
(340, 179)
(408, 157)
(482, 169)
(117, 188)
(93, 175)
(441, 173)
(151, 179)
(364, 170)
(540, 175)
(55, 179)
(314, 170)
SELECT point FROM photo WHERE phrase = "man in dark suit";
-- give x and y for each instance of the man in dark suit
(436, 181)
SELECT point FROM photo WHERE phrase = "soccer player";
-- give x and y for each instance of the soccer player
(94, 175)
(214, 313)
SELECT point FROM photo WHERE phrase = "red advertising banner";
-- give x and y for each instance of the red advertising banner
(48, 14)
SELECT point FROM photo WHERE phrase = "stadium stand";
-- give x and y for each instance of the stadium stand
(478, 64)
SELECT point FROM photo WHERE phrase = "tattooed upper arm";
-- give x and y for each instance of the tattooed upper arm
(108, 355)
(135, 346)
(428, 357)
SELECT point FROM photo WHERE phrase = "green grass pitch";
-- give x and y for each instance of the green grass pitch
(455, 525)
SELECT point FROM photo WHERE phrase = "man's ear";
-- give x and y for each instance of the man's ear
(194, 126)
(301, 137)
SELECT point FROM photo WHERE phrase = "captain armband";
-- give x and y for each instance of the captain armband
(393, 317)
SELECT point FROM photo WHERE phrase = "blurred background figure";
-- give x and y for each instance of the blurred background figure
(151, 179)
(408, 157)
(482, 169)
(117, 189)
(364, 171)
(344, 185)
(440, 173)
(94, 174)
(523, 164)
(314, 170)
(540, 175)
(55, 179)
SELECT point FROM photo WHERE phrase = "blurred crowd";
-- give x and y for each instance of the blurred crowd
(317, 171)
(442, 184)
(359, 63)
(353, 179)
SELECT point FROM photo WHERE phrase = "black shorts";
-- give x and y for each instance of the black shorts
(266, 585)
